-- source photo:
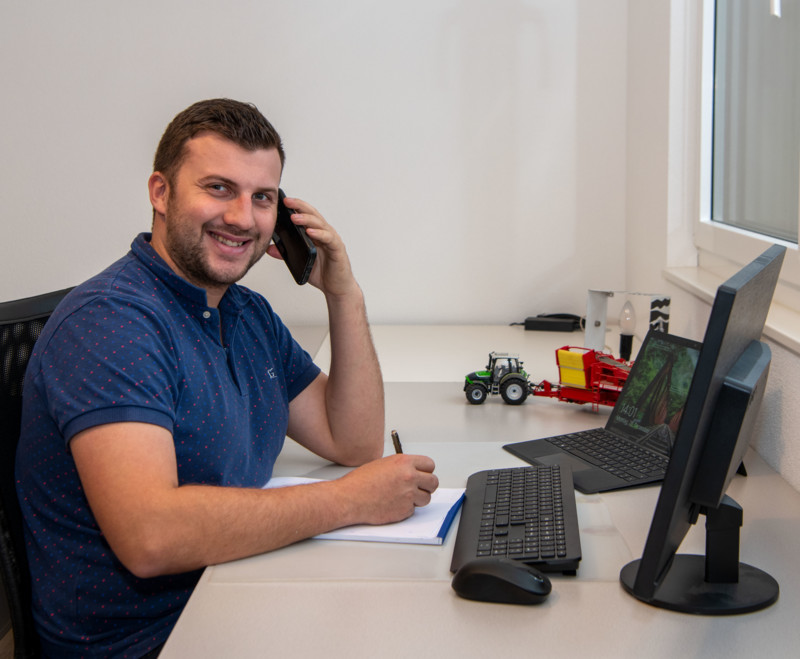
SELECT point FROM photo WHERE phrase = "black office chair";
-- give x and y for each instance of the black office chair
(21, 322)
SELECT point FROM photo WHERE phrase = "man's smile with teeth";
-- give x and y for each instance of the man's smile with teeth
(225, 241)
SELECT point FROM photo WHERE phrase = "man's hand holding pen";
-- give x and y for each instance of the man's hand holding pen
(389, 489)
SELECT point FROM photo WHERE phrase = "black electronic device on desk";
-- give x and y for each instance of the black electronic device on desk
(523, 513)
(723, 400)
(501, 580)
(634, 446)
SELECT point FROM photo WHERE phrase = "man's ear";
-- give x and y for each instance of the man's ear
(159, 192)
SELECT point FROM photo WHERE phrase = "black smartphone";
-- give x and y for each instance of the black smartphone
(296, 248)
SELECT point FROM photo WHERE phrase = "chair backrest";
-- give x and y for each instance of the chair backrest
(21, 322)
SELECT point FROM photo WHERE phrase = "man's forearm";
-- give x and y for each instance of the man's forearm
(354, 396)
(206, 525)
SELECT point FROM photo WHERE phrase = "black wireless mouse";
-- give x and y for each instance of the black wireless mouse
(501, 580)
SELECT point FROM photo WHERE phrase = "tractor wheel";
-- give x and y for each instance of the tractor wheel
(514, 391)
(476, 393)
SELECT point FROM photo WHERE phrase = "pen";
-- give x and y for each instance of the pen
(398, 448)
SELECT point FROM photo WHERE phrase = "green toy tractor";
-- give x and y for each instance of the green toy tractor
(504, 375)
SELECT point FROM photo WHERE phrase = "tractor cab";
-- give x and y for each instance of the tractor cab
(501, 364)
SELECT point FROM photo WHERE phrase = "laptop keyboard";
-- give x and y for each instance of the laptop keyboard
(525, 513)
(624, 459)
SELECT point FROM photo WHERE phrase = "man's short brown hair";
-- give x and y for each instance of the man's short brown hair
(241, 123)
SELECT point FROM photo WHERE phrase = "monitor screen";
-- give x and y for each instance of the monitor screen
(732, 360)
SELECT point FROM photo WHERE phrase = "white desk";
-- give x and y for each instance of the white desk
(347, 599)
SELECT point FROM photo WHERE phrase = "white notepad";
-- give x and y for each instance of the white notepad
(427, 526)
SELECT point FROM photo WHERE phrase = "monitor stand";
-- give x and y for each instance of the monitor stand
(714, 584)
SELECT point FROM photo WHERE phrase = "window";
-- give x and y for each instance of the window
(756, 116)
(749, 126)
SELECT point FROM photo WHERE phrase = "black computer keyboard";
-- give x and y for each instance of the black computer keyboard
(615, 455)
(525, 513)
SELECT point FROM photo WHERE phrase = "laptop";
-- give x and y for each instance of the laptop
(634, 446)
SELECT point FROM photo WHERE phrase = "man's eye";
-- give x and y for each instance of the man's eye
(218, 187)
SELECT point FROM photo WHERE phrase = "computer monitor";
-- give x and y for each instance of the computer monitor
(720, 408)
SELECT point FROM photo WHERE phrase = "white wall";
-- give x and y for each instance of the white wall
(470, 152)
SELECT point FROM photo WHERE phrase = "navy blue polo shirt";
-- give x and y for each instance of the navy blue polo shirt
(138, 343)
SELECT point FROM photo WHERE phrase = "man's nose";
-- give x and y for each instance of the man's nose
(239, 213)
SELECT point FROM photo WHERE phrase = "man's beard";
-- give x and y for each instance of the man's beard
(186, 250)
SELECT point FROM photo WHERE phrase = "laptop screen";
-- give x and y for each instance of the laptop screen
(651, 403)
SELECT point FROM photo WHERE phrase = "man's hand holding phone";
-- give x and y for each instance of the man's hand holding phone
(318, 255)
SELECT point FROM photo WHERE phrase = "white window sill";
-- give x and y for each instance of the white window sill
(783, 323)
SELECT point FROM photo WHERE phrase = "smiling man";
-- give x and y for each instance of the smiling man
(160, 393)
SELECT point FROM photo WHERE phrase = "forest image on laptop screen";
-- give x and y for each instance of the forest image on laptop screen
(653, 402)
